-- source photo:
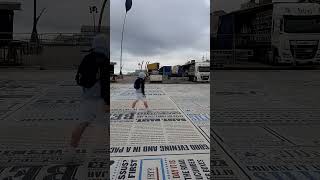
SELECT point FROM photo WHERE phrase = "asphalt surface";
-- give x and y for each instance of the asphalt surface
(173, 80)
(39, 110)
(170, 141)
(265, 125)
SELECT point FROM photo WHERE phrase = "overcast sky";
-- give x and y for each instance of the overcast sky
(170, 32)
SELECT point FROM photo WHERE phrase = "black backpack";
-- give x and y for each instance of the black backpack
(137, 83)
(87, 71)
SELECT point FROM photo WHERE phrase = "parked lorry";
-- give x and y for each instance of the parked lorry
(165, 70)
(113, 76)
(177, 71)
(153, 72)
(155, 78)
(197, 71)
(276, 33)
(153, 66)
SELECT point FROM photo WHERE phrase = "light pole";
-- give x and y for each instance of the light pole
(128, 5)
(101, 14)
(124, 22)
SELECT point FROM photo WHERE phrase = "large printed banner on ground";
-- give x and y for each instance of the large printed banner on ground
(95, 169)
(279, 163)
(197, 110)
(263, 130)
(159, 149)
(164, 143)
(14, 94)
(273, 155)
(223, 166)
(161, 167)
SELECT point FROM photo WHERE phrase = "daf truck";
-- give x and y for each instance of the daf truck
(153, 72)
(276, 33)
(197, 71)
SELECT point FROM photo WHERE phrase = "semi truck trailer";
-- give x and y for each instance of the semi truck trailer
(276, 33)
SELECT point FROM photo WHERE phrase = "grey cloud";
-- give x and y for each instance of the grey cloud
(157, 27)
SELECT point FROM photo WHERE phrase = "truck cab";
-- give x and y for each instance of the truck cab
(296, 33)
(202, 72)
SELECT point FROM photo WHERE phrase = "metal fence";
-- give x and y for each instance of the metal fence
(17, 48)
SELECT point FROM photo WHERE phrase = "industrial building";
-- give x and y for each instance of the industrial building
(6, 19)
(9, 49)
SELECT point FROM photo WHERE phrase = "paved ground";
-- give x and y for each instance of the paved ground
(39, 109)
(261, 66)
(265, 125)
(170, 142)
(172, 80)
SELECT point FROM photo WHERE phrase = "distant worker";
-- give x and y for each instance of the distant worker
(139, 85)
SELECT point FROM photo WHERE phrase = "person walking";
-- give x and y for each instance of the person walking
(93, 78)
(139, 85)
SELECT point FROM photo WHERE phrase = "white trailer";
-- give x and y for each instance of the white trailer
(276, 32)
(156, 78)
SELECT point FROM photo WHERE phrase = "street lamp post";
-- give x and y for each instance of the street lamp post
(101, 14)
(124, 22)
(128, 6)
